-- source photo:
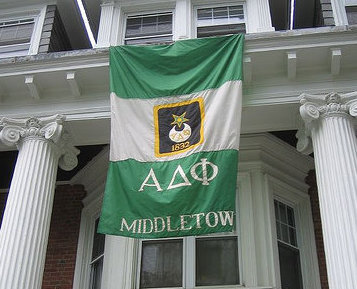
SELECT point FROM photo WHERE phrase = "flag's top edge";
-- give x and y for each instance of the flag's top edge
(183, 67)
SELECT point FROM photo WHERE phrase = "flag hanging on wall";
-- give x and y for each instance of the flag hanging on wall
(175, 126)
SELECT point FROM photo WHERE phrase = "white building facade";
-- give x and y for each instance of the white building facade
(300, 77)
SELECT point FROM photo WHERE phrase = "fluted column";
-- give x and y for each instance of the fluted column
(329, 124)
(25, 226)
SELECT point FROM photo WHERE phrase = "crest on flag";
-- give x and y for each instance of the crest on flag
(178, 126)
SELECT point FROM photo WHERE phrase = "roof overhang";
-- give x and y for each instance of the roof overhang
(278, 68)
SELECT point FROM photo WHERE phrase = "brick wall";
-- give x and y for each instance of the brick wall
(63, 238)
(54, 37)
(327, 13)
(311, 181)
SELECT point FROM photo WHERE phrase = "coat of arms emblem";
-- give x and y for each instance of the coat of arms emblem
(178, 126)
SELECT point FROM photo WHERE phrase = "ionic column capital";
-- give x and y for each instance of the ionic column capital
(49, 129)
(14, 131)
(68, 153)
(316, 107)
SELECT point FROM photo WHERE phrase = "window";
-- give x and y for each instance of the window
(221, 20)
(15, 36)
(351, 12)
(148, 29)
(161, 264)
(90, 250)
(289, 255)
(215, 261)
(96, 264)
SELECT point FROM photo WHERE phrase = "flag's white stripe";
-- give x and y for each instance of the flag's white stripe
(133, 127)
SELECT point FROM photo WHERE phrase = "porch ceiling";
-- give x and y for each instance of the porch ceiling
(278, 67)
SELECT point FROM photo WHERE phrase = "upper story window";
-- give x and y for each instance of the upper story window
(189, 262)
(289, 254)
(15, 37)
(16, 31)
(220, 20)
(351, 12)
(148, 29)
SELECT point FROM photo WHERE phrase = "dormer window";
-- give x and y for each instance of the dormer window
(220, 20)
(148, 29)
(15, 36)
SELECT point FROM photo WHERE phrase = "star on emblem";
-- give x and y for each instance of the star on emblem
(179, 119)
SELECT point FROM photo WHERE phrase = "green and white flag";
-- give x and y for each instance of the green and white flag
(176, 113)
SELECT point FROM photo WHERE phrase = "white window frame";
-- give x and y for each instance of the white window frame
(350, 3)
(298, 230)
(149, 13)
(189, 256)
(37, 13)
(300, 202)
(214, 5)
(90, 214)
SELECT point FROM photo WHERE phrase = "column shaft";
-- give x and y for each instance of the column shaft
(335, 152)
(27, 216)
(25, 225)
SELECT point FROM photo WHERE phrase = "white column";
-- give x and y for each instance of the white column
(106, 24)
(182, 27)
(26, 220)
(329, 124)
(258, 18)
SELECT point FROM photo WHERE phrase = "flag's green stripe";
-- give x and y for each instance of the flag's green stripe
(180, 68)
(123, 198)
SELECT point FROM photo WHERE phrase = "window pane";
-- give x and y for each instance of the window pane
(96, 274)
(217, 21)
(217, 261)
(291, 218)
(133, 26)
(165, 24)
(208, 31)
(284, 233)
(142, 29)
(220, 12)
(285, 223)
(161, 264)
(98, 242)
(351, 12)
(282, 213)
(236, 12)
(149, 40)
(290, 272)
(96, 266)
(278, 230)
(292, 237)
(149, 25)
(15, 32)
(204, 14)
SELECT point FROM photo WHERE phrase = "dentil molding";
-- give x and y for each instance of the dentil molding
(49, 129)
